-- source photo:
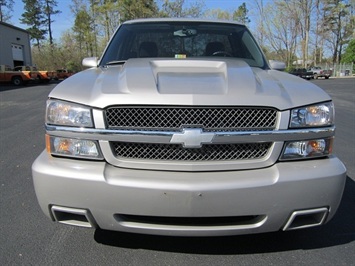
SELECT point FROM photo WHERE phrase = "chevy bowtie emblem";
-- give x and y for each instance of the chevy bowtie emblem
(192, 138)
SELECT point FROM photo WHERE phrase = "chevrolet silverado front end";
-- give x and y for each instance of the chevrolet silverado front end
(182, 128)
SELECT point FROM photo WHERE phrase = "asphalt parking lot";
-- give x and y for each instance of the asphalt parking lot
(27, 237)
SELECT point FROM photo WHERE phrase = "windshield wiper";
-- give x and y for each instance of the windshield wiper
(116, 62)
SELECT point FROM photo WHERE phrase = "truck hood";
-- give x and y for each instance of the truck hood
(227, 82)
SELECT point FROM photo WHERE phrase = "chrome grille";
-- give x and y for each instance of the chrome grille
(175, 152)
(175, 118)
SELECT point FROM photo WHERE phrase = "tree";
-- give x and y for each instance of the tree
(349, 55)
(280, 29)
(177, 9)
(34, 17)
(109, 17)
(259, 6)
(241, 14)
(132, 9)
(84, 32)
(49, 11)
(304, 8)
(319, 34)
(69, 56)
(218, 14)
(6, 7)
(338, 21)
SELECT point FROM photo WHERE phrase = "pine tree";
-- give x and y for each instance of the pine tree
(84, 32)
(241, 14)
(35, 18)
(49, 12)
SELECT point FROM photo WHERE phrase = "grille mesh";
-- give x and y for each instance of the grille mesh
(174, 118)
(175, 152)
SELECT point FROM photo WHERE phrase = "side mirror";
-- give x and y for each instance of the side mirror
(90, 62)
(277, 65)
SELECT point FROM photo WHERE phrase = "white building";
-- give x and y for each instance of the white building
(15, 47)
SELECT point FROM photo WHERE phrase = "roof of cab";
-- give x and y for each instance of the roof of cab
(181, 20)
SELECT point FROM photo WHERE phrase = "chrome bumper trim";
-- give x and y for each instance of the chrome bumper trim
(165, 137)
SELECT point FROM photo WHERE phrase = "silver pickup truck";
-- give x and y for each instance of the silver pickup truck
(318, 72)
(183, 128)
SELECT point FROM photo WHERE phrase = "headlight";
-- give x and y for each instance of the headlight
(68, 147)
(307, 149)
(68, 114)
(313, 116)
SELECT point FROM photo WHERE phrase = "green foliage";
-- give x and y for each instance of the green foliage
(64, 54)
(279, 29)
(34, 17)
(241, 14)
(108, 17)
(49, 11)
(84, 32)
(132, 9)
(349, 55)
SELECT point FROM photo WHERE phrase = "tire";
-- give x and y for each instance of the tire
(17, 81)
(326, 77)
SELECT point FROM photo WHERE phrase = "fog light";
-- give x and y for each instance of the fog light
(73, 147)
(307, 149)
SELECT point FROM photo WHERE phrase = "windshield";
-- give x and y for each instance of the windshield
(183, 40)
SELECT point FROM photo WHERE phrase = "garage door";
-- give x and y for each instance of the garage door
(17, 52)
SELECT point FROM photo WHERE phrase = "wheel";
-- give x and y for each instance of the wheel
(224, 53)
(326, 77)
(315, 76)
(17, 81)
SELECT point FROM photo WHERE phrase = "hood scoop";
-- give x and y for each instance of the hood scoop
(190, 77)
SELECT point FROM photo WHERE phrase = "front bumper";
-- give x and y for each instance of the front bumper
(139, 201)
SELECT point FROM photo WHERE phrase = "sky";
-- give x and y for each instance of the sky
(62, 21)
(65, 20)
